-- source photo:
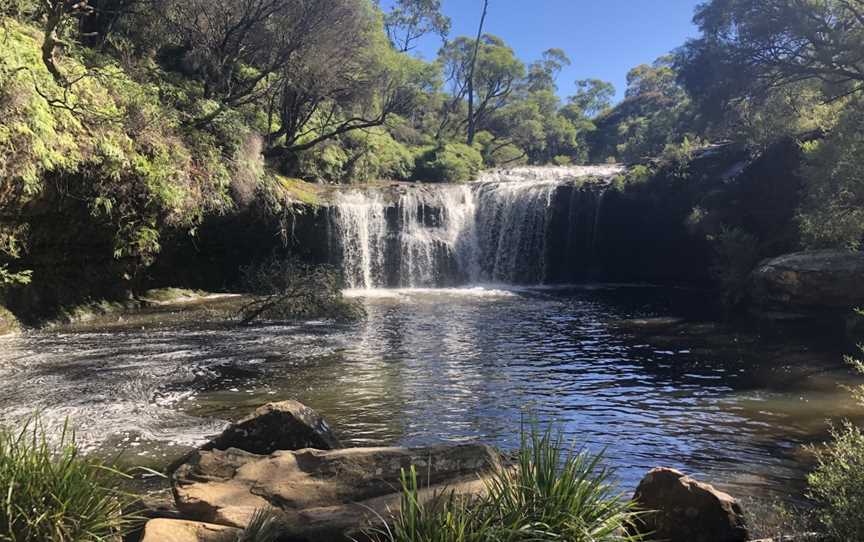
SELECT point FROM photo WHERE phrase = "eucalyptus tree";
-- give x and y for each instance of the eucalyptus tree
(763, 70)
(235, 46)
(410, 20)
(750, 47)
(543, 73)
(318, 99)
(592, 97)
(487, 86)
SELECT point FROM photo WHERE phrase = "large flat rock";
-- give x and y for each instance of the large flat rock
(175, 530)
(325, 495)
(823, 279)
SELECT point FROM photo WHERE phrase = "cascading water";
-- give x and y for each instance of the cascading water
(361, 228)
(514, 226)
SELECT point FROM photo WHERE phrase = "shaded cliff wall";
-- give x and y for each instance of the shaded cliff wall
(665, 228)
(634, 231)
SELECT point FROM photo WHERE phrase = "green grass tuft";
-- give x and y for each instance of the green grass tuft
(50, 492)
(551, 493)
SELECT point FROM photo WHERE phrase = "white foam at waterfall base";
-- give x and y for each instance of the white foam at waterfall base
(493, 230)
(403, 293)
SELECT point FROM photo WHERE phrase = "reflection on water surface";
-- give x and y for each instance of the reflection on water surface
(451, 365)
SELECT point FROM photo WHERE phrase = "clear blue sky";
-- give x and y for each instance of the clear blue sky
(603, 38)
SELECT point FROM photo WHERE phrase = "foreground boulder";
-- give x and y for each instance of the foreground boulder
(288, 425)
(684, 510)
(823, 279)
(175, 530)
(324, 495)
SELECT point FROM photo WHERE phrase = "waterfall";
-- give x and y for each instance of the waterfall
(519, 226)
(361, 229)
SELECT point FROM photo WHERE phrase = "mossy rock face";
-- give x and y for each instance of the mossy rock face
(171, 295)
(87, 312)
(8, 323)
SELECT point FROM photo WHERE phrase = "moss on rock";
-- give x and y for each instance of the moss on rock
(8, 323)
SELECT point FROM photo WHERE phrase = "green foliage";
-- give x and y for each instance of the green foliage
(551, 493)
(759, 74)
(326, 162)
(11, 278)
(51, 492)
(837, 484)
(636, 175)
(832, 214)
(593, 97)
(776, 520)
(750, 49)
(452, 162)
(495, 77)
(444, 518)
(359, 156)
(656, 113)
(498, 153)
(110, 136)
(735, 255)
(410, 20)
(290, 289)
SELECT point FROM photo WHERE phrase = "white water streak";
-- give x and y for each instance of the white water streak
(491, 230)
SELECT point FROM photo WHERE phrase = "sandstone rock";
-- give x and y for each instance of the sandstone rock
(175, 530)
(684, 510)
(325, 495)
(824, 279)
(288, 425)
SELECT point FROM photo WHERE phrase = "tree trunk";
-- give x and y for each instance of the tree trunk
(472, 121)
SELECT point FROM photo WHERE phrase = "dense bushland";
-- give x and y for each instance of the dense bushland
(136, 120)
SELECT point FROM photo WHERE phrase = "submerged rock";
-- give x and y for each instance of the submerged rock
(682, 509)
(175, 530)
(288, 425)
(823, 279)
(324, 495)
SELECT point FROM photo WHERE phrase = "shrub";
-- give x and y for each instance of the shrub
(51, 492)
(774, 520)
(452, 162)
(376, 155)
(837, 484)
(635, 175)
(267, 525)
(736, 254)
(550, 493)
(324, 163)
(496, 153)
(287, 288)
(831, 214)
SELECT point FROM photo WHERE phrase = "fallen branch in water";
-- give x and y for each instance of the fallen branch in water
(289, 289)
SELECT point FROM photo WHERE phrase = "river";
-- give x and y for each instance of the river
(607, 363)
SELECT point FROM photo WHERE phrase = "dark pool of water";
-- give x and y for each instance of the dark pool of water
(462, 365)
